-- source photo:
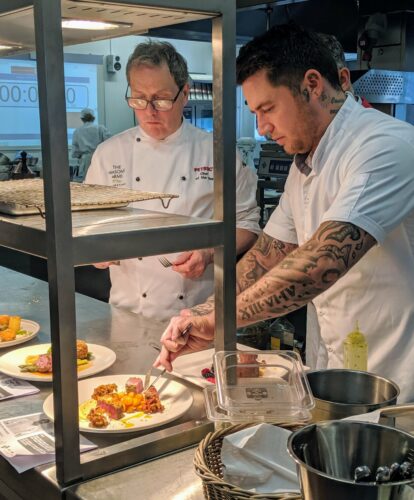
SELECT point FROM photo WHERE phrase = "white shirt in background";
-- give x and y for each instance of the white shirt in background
(180, 164)
(362, 173)
(84, 142)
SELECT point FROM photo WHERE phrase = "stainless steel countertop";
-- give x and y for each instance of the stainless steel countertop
(129, 336)
(168, 478)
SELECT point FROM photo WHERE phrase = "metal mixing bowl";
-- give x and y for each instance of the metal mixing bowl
(340, 393)
(327, 453)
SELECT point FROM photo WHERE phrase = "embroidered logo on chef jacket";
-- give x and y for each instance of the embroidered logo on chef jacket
(203, 173)
(117, 174)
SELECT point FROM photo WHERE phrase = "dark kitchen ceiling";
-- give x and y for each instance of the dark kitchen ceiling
(338, 17)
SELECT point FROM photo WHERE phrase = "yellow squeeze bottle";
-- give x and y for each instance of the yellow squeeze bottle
(356, 351)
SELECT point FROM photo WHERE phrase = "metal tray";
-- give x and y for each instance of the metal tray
(26, 196)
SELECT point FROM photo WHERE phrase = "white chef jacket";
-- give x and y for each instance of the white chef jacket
(362, 172)
(180, 164)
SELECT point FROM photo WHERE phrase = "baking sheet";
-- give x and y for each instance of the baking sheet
(26, 196)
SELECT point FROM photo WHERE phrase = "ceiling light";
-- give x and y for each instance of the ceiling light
(83, 24)
(7, 47)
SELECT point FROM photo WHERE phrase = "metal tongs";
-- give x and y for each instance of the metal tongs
(147, 380)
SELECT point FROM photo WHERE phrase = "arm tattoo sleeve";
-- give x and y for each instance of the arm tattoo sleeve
(305, 272)
(263, 256)
(205, 308)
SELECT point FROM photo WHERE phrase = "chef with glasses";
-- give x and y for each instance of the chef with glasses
(165, 153)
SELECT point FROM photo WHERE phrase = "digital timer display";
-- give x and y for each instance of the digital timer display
(19, 99)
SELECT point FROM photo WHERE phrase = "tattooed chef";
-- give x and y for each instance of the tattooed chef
(343, 233)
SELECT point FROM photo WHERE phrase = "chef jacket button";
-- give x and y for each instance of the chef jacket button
(138, 139)
(330, 349)
(183, 178)
(144, 295)
(181, 297)
(137, 179)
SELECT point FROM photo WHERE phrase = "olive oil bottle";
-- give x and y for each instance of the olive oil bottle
(356, 350)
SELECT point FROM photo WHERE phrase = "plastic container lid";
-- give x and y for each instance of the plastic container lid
(259, 386)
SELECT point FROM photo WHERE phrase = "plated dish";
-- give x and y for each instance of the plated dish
(174, 401)
(43, 363)
(15, 330)
(12, 362)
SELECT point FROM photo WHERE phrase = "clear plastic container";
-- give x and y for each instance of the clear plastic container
(259, 386)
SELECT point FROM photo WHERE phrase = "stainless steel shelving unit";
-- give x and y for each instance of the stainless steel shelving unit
(69, 240)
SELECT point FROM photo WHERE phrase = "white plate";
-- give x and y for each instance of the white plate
(32, 329)
(175, 398)
(189, 366)
(9, 363)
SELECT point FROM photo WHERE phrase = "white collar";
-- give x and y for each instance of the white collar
(175, 136)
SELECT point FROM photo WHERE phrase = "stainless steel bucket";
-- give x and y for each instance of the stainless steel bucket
(327, 453)
(341, 393)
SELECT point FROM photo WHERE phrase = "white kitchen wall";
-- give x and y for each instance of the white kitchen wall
(112, 108)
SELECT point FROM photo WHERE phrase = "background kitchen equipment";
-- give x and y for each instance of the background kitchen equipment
(246, 147)
(327, 453)
(340, 393)
(256, 335)
(5, 167)
(21, 166)
(272, 171)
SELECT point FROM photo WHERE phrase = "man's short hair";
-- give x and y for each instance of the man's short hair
(286, 52)
(87, 115)
(154, 53)
(335, 48)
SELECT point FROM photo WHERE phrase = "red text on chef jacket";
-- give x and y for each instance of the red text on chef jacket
(205, 173)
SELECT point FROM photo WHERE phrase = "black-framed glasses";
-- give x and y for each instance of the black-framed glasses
(157, 104)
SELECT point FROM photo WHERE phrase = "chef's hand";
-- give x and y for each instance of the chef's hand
(193, 264)
(105, 265)
(174, 344)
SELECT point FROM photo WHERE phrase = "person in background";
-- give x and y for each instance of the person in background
(337, 51)
(165, 153)
(342, 235)
(85, 140)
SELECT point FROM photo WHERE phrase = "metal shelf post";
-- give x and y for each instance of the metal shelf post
(49, 49)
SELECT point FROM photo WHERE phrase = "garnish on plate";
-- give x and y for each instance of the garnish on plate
(10, 328)
(42, 363)
(208, 374)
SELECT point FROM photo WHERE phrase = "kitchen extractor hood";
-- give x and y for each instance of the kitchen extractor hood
(17, 26)
(384, 86)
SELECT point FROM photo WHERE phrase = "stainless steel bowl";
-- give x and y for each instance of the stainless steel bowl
(341, 393)
(327, 453)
